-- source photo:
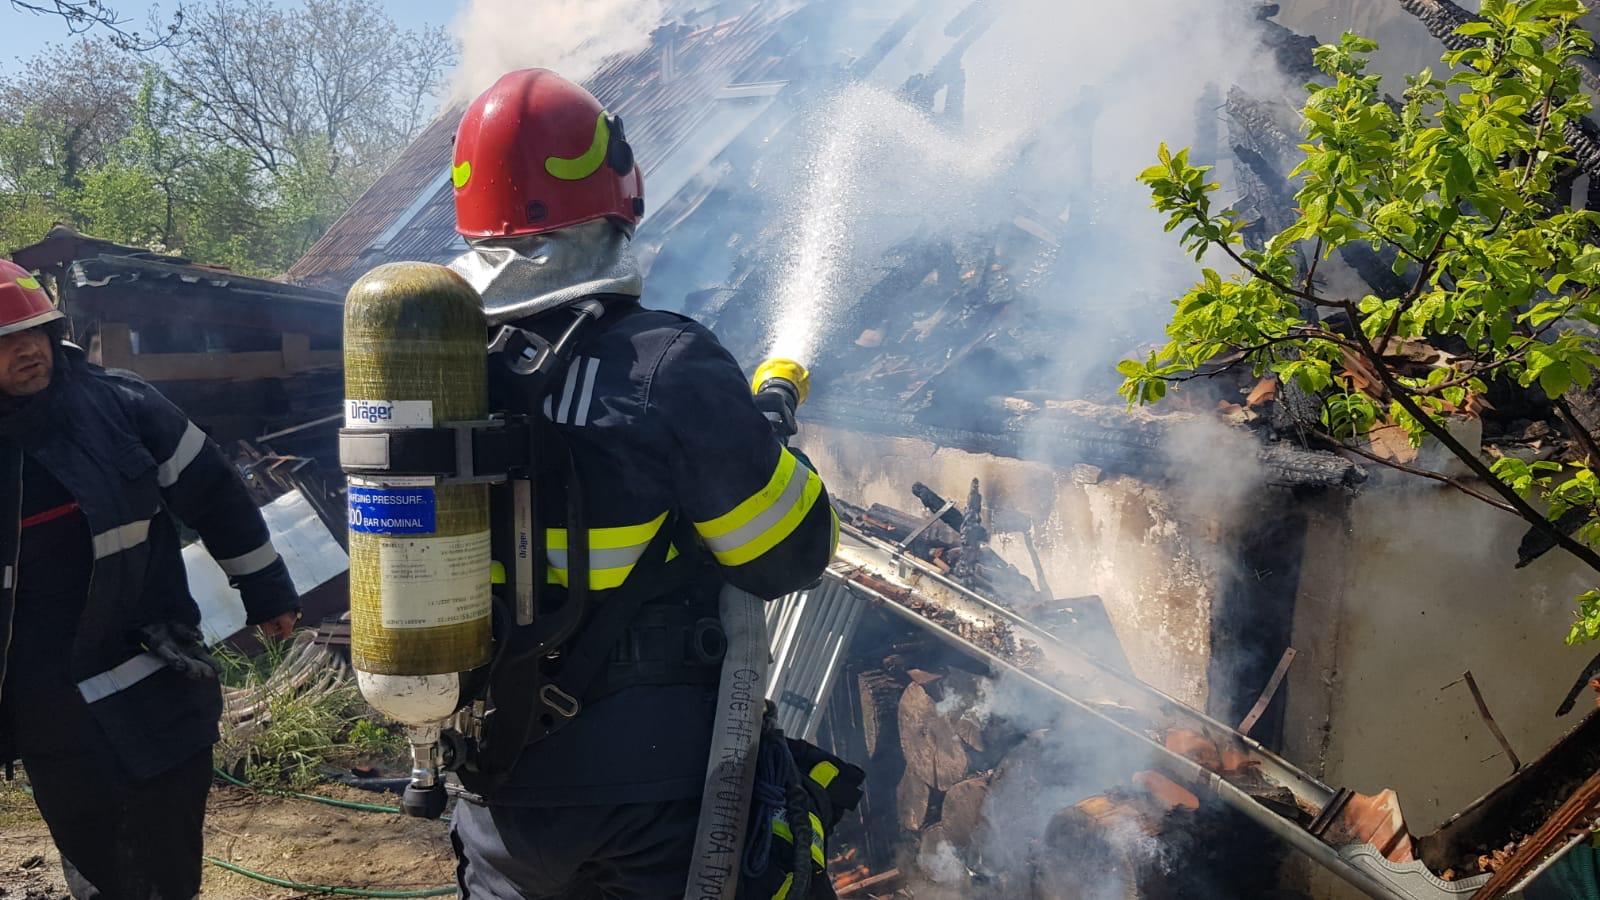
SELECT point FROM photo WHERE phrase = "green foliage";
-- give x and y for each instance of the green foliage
(375, 739)
(1455, 182)
(238, 145)
(297, 731)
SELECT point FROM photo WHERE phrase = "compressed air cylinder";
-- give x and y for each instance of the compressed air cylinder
(414, 357)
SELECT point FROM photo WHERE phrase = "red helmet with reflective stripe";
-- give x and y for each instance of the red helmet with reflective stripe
(537, 153)
(23, 303)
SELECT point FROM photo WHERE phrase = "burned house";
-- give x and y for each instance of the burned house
(1137, 631)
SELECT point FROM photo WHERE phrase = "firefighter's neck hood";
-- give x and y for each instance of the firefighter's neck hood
(532, 274)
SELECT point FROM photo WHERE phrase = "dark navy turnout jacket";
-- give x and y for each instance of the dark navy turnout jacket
(134, 464)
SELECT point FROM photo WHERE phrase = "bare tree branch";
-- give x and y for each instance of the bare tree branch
(333, 84)
(83, 16)
(1333, 443)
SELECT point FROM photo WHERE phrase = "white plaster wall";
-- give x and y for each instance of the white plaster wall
(1416, 587)
(1121, 539)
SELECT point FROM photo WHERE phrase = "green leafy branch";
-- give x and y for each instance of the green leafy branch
(1456, 183)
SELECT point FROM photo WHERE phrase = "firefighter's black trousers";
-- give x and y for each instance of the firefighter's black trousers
(122, 839)
(636, 851)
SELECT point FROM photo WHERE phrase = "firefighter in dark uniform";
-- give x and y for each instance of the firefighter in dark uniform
(664, 434)
(107, 694)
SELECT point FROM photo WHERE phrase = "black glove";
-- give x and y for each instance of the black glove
(181, 647)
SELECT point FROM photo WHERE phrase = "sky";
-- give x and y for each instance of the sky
(26, 32)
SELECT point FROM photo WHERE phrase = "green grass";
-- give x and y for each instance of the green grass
(305, 732)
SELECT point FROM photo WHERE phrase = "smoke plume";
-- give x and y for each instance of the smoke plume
(572, 37)
(1054, 110)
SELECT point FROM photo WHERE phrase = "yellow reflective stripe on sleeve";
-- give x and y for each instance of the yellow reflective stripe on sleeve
(764, 527)
(609, 538)
(613, 552)
(781, 829)
(833, 548)
(756, 504)
(783, 889)
(824, 773)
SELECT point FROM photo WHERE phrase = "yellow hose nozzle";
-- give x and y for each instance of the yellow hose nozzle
(786, 370)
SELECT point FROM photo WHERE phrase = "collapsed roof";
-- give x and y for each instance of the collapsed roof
(984, 337)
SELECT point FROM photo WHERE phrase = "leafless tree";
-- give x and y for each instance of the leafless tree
(77, 102)
(334, 80)
(83, 16)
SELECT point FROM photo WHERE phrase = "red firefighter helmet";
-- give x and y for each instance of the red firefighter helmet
(23, 303)
(537, 153)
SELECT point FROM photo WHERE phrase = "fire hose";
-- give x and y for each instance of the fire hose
(731, 770)
(780, 387)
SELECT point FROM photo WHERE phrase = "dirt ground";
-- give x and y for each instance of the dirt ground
(283, 837)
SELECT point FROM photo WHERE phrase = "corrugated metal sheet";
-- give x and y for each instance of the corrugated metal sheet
(659, 113)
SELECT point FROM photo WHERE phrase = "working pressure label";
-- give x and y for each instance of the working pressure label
(434, 581)
(393, 510)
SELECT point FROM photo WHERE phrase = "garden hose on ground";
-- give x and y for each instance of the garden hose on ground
(328, 889)
(314, 798)
(442, 891)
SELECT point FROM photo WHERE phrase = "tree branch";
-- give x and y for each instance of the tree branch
(1416, 289)
(1442, 435)
(1256, 272)
(83, 16)
(1440, 477)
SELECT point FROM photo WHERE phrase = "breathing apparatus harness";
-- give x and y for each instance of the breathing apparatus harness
(558, 655)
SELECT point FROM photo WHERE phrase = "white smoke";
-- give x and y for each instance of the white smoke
(942, 865)
(572, 37)
(1064, 104)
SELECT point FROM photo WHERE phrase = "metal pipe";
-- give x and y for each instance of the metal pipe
(827, 617)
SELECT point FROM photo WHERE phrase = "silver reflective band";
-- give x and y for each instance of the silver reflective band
(566, 392)
(130, 673)
(123, 537)
(581, 418)
(769, 517)
(252, 562)
(601, 558)
(10, 573)
(189, 446)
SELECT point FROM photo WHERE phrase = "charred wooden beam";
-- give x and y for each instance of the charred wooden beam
(1292, 50)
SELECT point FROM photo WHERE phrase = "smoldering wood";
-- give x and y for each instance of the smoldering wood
(961, 816)
(928, 738)
(913, 800)
(880, 712)
(937, 842)
(1074, 843)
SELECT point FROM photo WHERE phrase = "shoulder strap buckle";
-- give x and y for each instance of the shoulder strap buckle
(562, 702)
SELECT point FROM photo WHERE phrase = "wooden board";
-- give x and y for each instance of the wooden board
(912, 801)
(880, 719)
(933, 750)
(961, 816)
